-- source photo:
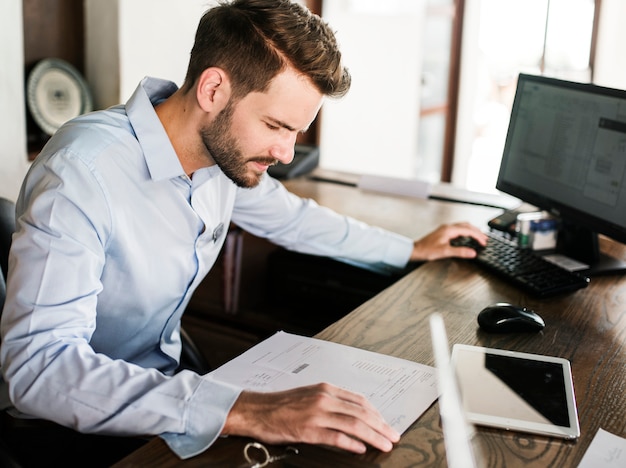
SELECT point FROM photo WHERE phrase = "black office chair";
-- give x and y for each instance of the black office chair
(7, 227)
(191, 357)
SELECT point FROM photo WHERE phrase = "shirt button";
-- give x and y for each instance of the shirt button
(218, 231)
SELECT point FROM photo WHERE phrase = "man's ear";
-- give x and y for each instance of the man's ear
(213, 90)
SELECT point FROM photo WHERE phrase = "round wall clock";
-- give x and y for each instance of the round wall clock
(55, 93)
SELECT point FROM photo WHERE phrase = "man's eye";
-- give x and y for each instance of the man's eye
(271, 127)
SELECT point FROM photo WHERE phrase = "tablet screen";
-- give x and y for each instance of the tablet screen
(516, 391)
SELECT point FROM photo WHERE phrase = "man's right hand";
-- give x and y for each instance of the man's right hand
(317, 414)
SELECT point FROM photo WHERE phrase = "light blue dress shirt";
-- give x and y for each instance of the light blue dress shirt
(113, 238)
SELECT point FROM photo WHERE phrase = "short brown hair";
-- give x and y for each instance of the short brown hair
(254, 40)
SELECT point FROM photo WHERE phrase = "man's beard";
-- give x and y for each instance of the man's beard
(223, 147)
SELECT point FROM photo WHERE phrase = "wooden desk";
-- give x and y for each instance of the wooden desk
(408, 216)
(587, 327)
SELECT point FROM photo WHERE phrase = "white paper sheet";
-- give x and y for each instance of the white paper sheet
(606, 450)
(400, 389)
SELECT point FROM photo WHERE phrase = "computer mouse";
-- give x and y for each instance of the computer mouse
(467, 241)
(503, 317)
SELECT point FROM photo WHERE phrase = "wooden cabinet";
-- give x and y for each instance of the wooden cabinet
(52, 28)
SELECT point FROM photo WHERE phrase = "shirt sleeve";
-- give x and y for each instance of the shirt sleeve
(272, 212)
(51, 369)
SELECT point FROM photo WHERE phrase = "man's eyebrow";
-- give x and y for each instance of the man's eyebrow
(280, 123)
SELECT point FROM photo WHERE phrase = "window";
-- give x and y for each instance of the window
(543, 37)
(398, 118)
(434, 81)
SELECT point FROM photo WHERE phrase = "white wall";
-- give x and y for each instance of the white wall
(372, 129)
(127, 40)
(13, 155)
(102, 52)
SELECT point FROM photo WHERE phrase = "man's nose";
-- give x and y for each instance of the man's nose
(284, 150)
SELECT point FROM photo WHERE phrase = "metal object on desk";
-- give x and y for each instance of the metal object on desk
(265, 457)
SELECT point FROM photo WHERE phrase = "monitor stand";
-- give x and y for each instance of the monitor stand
(582, 244)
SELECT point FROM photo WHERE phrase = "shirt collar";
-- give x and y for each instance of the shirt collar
(162, 161)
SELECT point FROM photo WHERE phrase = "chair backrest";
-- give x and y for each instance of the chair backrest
(7, 228)
(3, 291)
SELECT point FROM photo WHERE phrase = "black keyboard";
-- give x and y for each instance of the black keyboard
(526, 269)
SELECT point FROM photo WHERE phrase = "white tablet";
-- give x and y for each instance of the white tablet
(517, 391)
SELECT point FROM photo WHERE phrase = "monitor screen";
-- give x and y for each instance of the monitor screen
(565, 152)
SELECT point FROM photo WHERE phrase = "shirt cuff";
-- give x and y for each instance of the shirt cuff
(205, 417)
(399, 249)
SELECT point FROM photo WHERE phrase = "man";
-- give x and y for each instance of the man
(122, 215)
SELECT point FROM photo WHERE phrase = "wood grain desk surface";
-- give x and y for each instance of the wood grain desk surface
(587, 327)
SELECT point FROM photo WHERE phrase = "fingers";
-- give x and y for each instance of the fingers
(317, 414)
(353, 415)
(452, 231)
(343, 419)
(465, 251)
(436, 245)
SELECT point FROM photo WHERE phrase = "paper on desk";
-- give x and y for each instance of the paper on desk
(400, 389)
(606, 451)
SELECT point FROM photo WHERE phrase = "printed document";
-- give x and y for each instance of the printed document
(400, 389)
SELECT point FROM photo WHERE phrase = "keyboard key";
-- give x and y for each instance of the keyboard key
(526, 269)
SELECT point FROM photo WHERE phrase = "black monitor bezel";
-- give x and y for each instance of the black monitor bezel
(563, 211)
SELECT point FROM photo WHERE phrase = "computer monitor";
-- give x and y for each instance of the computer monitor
(565, 152)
